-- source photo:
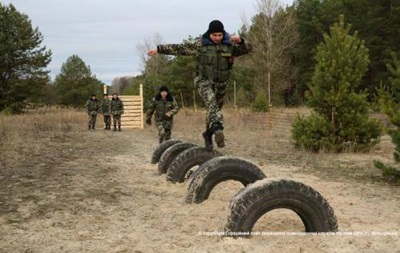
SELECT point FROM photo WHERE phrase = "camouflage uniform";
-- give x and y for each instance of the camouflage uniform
(164, 123)
(105, 109)
(92, 106)
(213, 68)
(117, 109)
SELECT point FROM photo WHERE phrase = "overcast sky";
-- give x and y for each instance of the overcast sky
(105, 33)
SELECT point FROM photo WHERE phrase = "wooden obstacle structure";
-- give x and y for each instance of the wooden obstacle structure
(133, 110)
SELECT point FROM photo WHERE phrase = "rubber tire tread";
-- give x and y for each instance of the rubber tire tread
(170, 153)
(187, 160)
(161, 149)
(217, 170)
(263, 196)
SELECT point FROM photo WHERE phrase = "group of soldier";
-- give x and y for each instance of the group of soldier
(215, 51)
(106, 107)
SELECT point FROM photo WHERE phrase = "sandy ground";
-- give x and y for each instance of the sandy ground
(97, 192)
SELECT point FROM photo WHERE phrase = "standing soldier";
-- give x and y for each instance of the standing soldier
(117, 109)
(92, 106)
(105, 109)
(215, 52)
(164, 107)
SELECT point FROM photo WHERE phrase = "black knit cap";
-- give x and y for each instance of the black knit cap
(164, 88)
(215, 26)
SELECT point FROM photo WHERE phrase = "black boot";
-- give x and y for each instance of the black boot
(219, 135)
(119, 128)
(90, 127)
(115, 127)
(207, 135)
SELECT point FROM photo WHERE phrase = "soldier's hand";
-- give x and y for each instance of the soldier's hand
(236, 39)
(152, 52)
(168, 115)
(148, 122)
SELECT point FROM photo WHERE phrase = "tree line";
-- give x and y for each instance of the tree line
(280, 68)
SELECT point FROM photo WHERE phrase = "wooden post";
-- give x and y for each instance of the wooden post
(269, 90)
(105, 89)
(194, 101)
(183, 105)
(141, 105)
(234, 94)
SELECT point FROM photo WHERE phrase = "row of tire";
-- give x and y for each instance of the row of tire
(205, 169)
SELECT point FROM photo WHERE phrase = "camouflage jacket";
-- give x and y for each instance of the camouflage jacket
(160, 107)
(92, 106)
(212, 61)
(105, 107)
(117, 107)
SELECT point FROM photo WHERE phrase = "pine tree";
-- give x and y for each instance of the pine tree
(341, 112)
(389, 101)
(22, 60)
(75, 83)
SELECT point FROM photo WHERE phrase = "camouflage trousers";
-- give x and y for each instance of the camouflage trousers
(92, 120)
(117, 120)
(212, 94)
(164, 128)
(107, 121)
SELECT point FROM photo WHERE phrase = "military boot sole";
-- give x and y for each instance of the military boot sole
(220, 138)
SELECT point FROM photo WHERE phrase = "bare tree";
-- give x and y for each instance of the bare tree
(119, 84)
(273, 34)
(150, 65)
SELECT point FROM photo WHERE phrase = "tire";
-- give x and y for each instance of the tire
(257, 199)
(170, 153)
(161, 149)
(217, 170)
(188, 159)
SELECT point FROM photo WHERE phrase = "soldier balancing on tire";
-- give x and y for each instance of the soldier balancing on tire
(164, 107)
(215, 52)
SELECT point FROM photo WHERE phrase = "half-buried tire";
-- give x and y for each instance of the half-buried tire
(169, 155)
(161, 149)
(217, 170)
(188, 159)
(257, 199)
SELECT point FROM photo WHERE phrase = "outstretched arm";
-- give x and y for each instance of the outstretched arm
(175, 49)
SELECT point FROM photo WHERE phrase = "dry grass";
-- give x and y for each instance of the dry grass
(250, 137)
(26, 138)
(65, 189)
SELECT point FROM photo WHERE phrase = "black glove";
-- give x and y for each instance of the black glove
(148, 122)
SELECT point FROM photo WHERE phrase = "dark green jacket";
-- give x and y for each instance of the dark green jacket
(160, 107)
(117, 107)
(105, 106)
(92, 106)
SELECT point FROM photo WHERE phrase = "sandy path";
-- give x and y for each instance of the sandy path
(114, 201)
